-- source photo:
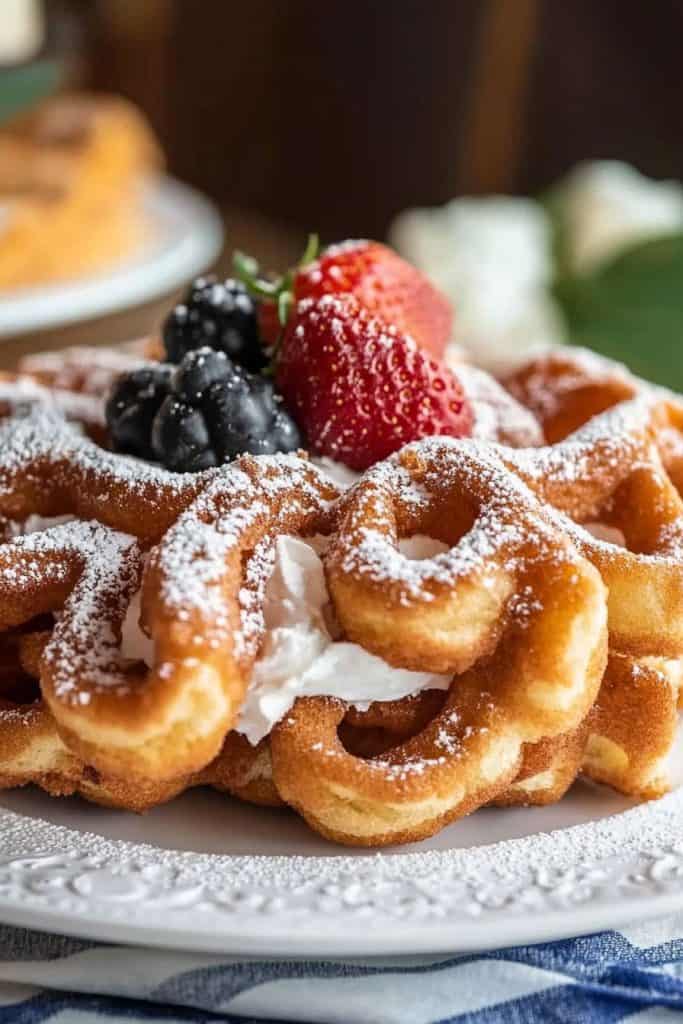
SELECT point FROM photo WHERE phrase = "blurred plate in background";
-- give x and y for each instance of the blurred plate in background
(187, 237)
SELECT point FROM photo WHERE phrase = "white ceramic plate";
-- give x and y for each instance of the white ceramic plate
(186, 237)
(206, 873)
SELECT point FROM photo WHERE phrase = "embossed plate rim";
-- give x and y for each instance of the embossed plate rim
(548, 886)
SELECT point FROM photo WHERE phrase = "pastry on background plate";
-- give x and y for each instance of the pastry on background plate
(70, 176)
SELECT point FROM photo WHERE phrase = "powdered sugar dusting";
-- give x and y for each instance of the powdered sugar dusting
(564, 371)
(21, 393)
(83, 368)
(507, 522)
(239, 514)
(608, 439)
(579, 475)
(83, 652)
(38, 444)
(497, 415)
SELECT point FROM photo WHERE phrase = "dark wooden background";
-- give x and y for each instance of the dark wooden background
(336, 114)
(333, 115)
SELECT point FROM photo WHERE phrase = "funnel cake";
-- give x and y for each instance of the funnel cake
(467, 755)
(20, 392)
(511, 600)
(439, 614)
(610, 472)
(517, 612)
(48, 468)
(201, 599)
(633, 725)
(625, 742)
(73, 382)
(32, 751)
(547, 770)
(565, 387)
(89, 369)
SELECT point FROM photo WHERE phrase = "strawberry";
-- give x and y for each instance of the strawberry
(382, 282)
(360, 389)
(269, 324)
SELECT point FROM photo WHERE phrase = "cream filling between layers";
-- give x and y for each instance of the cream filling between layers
(299, 656)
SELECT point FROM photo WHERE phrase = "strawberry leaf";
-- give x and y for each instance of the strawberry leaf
(311, 251)
(247, 270)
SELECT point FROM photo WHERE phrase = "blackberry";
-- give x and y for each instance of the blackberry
(134, 401)
(216, 411)
(220, 314)
(180, 438)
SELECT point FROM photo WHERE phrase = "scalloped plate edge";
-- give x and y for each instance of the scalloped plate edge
(548, 886)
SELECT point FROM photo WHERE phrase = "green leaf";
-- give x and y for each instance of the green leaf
(552, 202)
(21, 87)
(631, 308)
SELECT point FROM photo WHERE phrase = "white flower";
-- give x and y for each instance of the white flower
(607, 205)
(493, 258)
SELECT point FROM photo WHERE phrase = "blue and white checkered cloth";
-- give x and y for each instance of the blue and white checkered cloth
(634, 975)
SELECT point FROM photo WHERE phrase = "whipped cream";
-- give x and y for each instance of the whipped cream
(134, 643)
(341, 475)
(299, 657)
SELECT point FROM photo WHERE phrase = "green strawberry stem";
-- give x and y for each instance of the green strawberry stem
(279, 289)
(246, 270)
(312, 250)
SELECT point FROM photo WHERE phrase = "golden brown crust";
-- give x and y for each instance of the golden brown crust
(517, 607)
(633, 725)
(548, 769)
(534, 675)
(122, 718)
(609, 472)
(566, 387)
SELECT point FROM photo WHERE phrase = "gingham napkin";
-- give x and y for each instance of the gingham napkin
(634, 974)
